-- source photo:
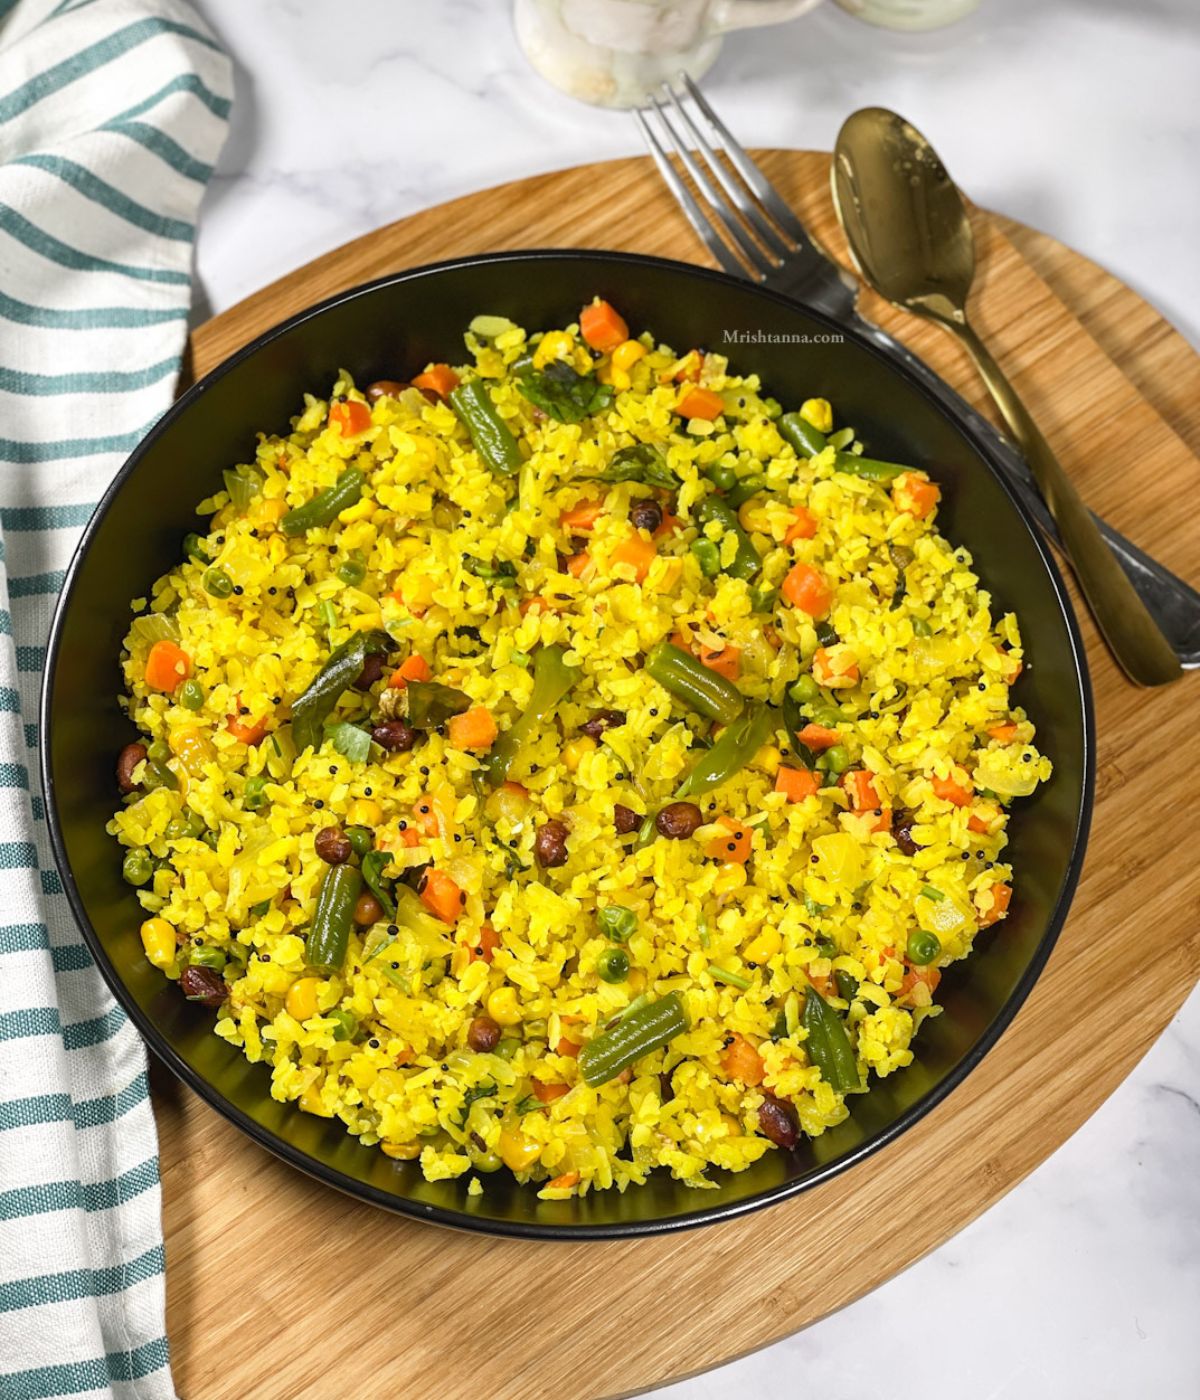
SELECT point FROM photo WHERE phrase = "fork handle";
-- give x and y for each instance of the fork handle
(1121, 615)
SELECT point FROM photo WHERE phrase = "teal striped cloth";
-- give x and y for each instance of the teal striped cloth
(112, 113)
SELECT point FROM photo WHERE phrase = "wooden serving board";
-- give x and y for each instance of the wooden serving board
(278, 1287)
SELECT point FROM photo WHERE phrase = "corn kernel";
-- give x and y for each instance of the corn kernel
(360, 510)
(756, 516)
(158, 941)
(763, 948)
(818, 412)
(516, 1151)
(554, 345)
(576, 751)
(502, 1006)
(302, 998)
(402, 1151)
(267, 510)
(311, 1102)
(627, 354)
(364, 811)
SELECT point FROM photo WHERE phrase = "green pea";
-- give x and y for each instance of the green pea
(137, 867)
(345, 1023)
(158, 775)
(612, 965)
(191, 695)
(921, 628)
(158, 752)
(353, 570)
(708, 556)
(483, 1160)
(254, 794)
(211, 839)
(805, 690)
(837, 759)
(361, 840)
(193, 548)
(617, 922)
(847, 986)
(187, 825)
(507, 1048)
(823, 713)
(217, 583)
(923, 947)
(207, 956)
(721, 476)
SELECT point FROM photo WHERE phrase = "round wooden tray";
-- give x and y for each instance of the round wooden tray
(279, 1287)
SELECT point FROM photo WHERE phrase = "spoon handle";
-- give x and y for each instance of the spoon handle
(1130, 631)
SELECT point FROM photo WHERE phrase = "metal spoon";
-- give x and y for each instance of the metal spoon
(909, 235)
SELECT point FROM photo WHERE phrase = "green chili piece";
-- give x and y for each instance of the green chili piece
(689, 680)
(490, 435)
(207, 956)
(373, 865)
(158, 775)
(646, 832)
(746, 562)
(747, 487)
(828, 1046)
(325, 507)
(708, 556)
(329, 936)
(847, 985)
(722, 476)
(345, 1023)
(342, 669)
(648, 1028)
(763, 600)
(738, 744)
(552, 679)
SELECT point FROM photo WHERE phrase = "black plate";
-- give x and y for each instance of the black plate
(388, 329)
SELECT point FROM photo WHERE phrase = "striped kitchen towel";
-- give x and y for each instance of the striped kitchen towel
(112, 113)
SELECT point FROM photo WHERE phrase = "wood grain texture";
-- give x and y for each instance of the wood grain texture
(278, 1287)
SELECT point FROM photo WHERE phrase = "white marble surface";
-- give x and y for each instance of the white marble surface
(1079, 117)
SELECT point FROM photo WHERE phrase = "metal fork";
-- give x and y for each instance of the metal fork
(750, 230)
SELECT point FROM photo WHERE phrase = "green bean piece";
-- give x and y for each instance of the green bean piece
(617, 922)
(217, 583)
(329, 935)
(746, 487)
(552, 679)
(345, 1023)
(638, 1033)
(828, 1045)
(738, 744)
(612, 965)
(353, 570)
(158, 775)
(254, 794)
(191, 695)
(193, 548)
(361, 839)
(847, 985)
(490, 435)
(868, 467)
(689, 680)
(708, 556)
(923, 947)
(734, 979)
(343, 668)
(722, 476)
(207, 956)
(327, 505)
(137, 867)
(779, 1028)
(746, 562)
(804, 438)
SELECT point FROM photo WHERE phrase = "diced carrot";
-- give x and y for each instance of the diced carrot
(816, 736)
(726, 662)
(915, 494)
(474, 730)
(567, 1047)
(349, 417)
(804, 528)
(796, 783)
(636, 552)
(441, 895)
(983, 816)
(489, 941)
(860, 785)
(742, 1061)
(547, 1093)
(167, 666)
(834, 667)
(931, 976)
(602, 326)
(735, 846)
(440, 379)
(951, 790)
(582, 516)
(689, 367)
(410, 837)
(1013, 671)
(577, 564)
(249, 734)
(417, 609)
(564, 1182)
(700, 403)
(862, 825)
(1003, 733)
(669, 522)
(1001, 899)
(412, 668)
(821, 981)
(805, 588)
(426, 817)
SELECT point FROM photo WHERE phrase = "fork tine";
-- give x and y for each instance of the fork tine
(744, 244)
(748, 209)
(747, 169)
(684, 198)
